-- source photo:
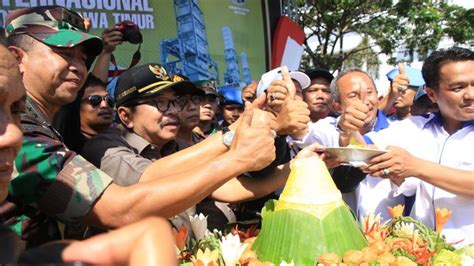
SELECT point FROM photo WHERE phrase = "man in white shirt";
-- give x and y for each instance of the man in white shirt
(356, 99)
(436, 150)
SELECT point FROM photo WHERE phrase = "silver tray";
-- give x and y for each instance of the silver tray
(354, 156)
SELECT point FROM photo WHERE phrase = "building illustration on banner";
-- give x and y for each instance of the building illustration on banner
(188, 54)
(245, 68)
(232, 73)
(180, 40)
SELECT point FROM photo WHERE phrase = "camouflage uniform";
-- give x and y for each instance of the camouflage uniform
(50, 183)
(54, 26)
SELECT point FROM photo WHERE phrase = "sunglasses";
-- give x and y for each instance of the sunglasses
(96, 100)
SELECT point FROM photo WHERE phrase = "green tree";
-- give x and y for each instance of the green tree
(386, 27)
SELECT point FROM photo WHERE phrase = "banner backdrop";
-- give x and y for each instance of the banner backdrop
(220, 39)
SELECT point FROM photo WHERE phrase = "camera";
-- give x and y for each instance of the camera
(131, 32)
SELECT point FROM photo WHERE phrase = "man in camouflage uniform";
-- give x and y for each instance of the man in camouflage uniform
(133, 250)
(44, 165)
(53, 184)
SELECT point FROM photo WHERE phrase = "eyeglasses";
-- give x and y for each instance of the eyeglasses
(164, 104)
(96, 100)
(195, 99)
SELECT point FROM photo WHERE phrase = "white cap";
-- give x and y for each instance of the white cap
(275, 74)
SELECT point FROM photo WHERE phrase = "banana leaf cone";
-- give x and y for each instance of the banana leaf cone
(308, 220)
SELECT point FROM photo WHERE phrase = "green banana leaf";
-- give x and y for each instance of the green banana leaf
(290, 234)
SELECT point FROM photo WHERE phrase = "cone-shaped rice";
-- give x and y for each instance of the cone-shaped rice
(308, 220)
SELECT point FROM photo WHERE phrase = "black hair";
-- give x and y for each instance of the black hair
(23, 41)
(68, 119)
(432, 65)
(93, 81)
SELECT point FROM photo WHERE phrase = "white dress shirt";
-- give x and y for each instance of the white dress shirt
(373, 194)
(425, 138)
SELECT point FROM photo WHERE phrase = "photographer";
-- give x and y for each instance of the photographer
(125, 31)
(111, 37)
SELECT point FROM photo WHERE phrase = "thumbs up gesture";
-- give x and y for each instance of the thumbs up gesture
(400, 82)
(280, 91)
(292, 115)
(253, 145)
(356, 114)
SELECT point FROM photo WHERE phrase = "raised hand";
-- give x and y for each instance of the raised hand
(260, 102)
(253, 145)
(111, 38)
(400, 82)
(280, 91)
(277, 94)
(356, 115)
(293, 115)
(292, 118)
(285, 74)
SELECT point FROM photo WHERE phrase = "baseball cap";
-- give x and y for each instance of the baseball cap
(420, 92)
(208, 86)
(275, 74)
(319, 72)
(231, 95)
(53, 25)
(147, 81)
(414, 76)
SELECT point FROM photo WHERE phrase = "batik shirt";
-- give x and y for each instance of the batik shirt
(50, 183)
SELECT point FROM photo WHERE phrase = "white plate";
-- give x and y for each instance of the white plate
(354, 156)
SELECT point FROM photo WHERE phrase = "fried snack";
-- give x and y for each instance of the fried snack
(370, 254)
(403, 261)
(329, 258)
(386, 258)
(379, 247)
(353, 256)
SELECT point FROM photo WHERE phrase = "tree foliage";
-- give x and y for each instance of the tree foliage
(386, 27)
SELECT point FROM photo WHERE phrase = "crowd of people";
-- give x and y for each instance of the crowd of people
(78, 161)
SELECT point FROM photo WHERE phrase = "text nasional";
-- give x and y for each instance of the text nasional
(126, 5)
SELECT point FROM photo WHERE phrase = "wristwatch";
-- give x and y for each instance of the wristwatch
(340, 130)
(227, 136)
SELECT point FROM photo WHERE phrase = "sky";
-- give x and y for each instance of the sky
(464, 3)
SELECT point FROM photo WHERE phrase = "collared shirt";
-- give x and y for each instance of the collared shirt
(49, 182)
(424, 137)
(123, 154)
(373, 194)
